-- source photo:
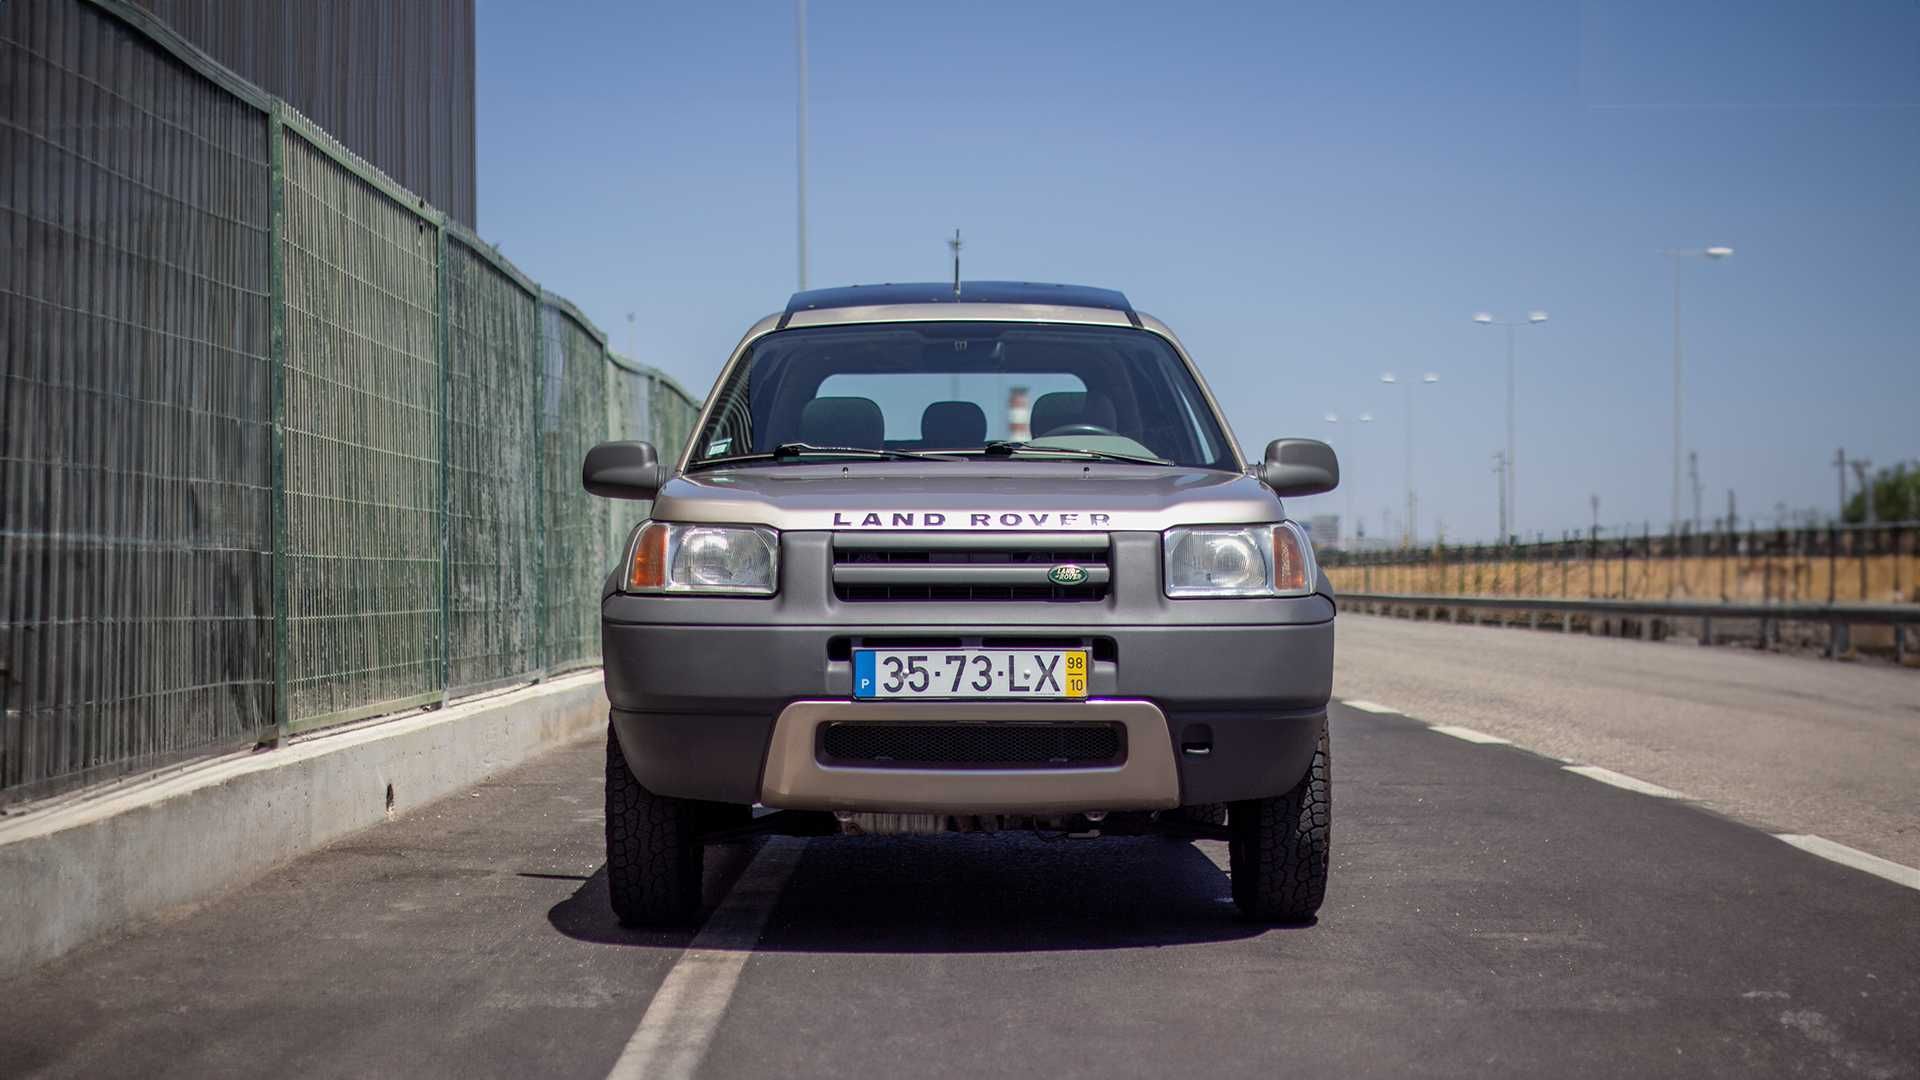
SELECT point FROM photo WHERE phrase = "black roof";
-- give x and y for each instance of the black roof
(971, 292)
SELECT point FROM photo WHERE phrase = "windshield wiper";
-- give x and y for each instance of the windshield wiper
(800, 449)
(1014, 448)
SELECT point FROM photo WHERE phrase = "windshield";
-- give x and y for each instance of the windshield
(955, 389)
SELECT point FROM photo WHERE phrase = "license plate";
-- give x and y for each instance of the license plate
(970, 673)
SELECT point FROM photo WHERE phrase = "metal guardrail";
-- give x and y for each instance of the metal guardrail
(1838, 617)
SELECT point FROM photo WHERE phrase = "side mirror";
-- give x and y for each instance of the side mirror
(1297, 467)
(623, 470)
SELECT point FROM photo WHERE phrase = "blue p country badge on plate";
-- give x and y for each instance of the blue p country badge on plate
(862, 674)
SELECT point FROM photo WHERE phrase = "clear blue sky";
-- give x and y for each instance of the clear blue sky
(1309, 194)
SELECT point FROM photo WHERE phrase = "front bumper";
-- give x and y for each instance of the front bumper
(697, 707)
(704, 689)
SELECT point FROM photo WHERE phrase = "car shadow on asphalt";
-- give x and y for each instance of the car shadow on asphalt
(964, 893)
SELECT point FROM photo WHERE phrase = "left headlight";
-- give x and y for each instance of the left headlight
(727, 560)
(1238, 560)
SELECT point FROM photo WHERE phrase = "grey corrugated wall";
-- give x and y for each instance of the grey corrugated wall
(392, 79)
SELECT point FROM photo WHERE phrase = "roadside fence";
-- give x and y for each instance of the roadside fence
(1858, 582)
(283, 446)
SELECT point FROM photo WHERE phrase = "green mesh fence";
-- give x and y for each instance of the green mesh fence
(674, 411)
(493, 382)
(188, 262)
(573, 409)
(135, 384)
(629, 416)
(362, 440)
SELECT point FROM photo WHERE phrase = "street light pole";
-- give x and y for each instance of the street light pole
(1717, 252)
(800, 136)
(1500, 470)
(1412, 532)
(1506, 465)
(1512, 488)
(1352, 459)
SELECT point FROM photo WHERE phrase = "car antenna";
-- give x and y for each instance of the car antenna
(954, 245)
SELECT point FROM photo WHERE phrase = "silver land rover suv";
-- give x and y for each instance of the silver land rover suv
(965, 559)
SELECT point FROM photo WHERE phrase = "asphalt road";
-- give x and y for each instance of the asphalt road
(1794, 744)
(1491, 914)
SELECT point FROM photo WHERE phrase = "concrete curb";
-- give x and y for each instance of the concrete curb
(82, 869)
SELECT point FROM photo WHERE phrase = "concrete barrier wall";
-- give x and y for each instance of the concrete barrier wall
(73, 872)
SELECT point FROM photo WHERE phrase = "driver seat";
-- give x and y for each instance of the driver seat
(1060, 408)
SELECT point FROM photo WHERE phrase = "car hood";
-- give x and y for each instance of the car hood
(1030, 496)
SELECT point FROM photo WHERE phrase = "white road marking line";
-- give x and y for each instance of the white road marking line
(1471, 735)
(1873, 864)
(1622, 780)
(1898, 873)
(679, 1023)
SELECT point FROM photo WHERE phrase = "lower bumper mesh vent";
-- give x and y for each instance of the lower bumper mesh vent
(985, 746)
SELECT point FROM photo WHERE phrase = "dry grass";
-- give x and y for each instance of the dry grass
(1872, 578)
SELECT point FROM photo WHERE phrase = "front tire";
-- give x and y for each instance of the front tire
(654, 851)
(1280, 846)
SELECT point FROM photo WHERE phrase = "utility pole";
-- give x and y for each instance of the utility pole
(1693, 473)
(1676, 394)
(1840, 466)
(1594, 499)
(1715, 253)
(954, 246)
(800, 139)
(1865, 486)
(1500, 470)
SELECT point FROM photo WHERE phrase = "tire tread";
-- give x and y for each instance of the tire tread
(1281, 846)
(654, 851)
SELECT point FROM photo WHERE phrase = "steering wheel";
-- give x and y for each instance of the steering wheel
(1080, 429)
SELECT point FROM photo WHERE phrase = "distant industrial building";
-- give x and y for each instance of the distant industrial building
(1324, 530)
(391, 80)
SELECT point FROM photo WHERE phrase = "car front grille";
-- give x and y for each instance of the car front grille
(970, 566)
(977, 746)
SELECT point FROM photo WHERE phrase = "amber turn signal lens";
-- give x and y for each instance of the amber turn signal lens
(1289, 561)
(649, 569)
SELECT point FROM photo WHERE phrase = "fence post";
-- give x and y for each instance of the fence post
(1861, 550)
(1899, 561)
(539, 521)
(277, 362)
(1833, 562)
(442, 352)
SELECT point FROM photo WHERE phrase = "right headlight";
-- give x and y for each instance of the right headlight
(1238, 560)
(723, 560)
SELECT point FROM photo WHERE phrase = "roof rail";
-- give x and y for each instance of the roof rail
(970, 292)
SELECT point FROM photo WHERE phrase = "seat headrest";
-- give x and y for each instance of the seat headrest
(953, 425)
(1061, 408)
(843, 421)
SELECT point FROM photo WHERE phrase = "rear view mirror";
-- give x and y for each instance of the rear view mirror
(623, 470)
(1297, 467)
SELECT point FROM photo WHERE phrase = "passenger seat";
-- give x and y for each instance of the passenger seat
(843, 421)
(953, 425)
